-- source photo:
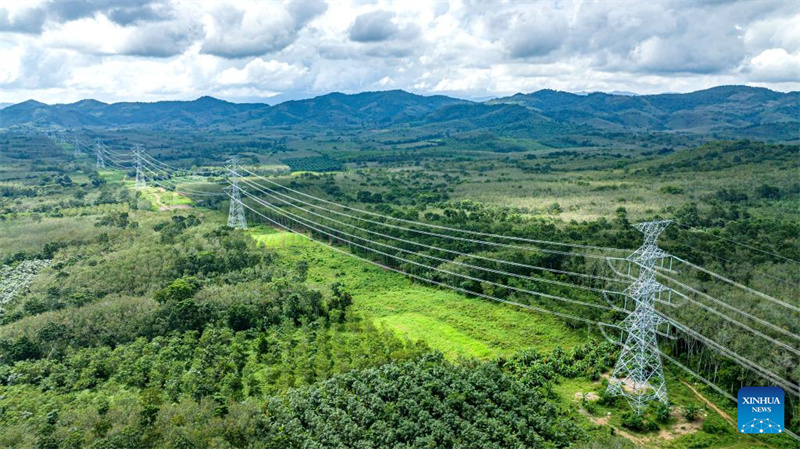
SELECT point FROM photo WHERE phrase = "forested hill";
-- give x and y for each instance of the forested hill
(727, 110)
(718, 108)
(334, 110)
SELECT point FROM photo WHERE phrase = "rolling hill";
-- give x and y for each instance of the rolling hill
(726, 110)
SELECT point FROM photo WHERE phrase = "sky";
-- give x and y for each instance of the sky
(271, 51)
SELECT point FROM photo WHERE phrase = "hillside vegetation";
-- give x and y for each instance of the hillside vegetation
(128, 323)
(725, 111)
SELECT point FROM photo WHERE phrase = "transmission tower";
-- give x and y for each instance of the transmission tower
(638, 375)
(236, 217)
(98, 152)
(141, 181)
(77, 142)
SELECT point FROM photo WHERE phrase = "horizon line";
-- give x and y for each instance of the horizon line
(427, 95)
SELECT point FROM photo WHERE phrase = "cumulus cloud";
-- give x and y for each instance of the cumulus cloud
(781, 32)
(230, 33)
(161, 39)
(152, 39)
(251, 49)
(535, 34)
(28, 20)
(303, 11)
(256, 29)
(775, 65)
(123, 12)
(270, 75)
(374, 26)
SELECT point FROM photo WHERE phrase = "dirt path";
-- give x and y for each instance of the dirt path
(710, 404)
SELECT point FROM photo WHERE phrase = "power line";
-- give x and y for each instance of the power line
(430, 225)
(462, 239)
(236, 218)
(564, 284)
(300, 221)
(739, 243)
(163, 164)
(732, 308)
(431, 281)
(741, 286)
(168, 169)
(170, 188)
(727, 306)
(175, 188)
(156, 168)
(117, 154)
(730, 262)
(714, 386)
(639, 362)
(116, 157)
(788, 385)
(148, 168)
(746, 327)
(534, 267)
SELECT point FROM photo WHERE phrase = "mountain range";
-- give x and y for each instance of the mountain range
(732, 110)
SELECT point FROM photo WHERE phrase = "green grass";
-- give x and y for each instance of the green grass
(112, 176)
(446, 320)
(438, 334)
(273, 240)
(174, 199)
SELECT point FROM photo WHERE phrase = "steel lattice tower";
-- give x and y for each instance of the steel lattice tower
(236, 217)
(638, 374)
(141, 181)
(77, 142)
(98, 152)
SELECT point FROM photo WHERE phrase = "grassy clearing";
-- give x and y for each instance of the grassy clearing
(173, 199)
(448, 321)
(112, 176)
(440, 335)
(271, 239)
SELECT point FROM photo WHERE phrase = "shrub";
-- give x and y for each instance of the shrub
(691, 412)
(716, 425)
(672, 190)
(633, 421)
(660, 412)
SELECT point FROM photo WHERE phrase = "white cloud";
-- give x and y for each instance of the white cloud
(782, 32)
(776, 65)
(270, 75)
(253, 28)
(251, 49)
(11, 67)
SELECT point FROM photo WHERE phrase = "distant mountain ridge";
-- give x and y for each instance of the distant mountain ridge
(707, 110)
(720, 109)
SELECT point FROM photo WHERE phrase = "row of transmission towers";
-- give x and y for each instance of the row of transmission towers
(236, 216)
